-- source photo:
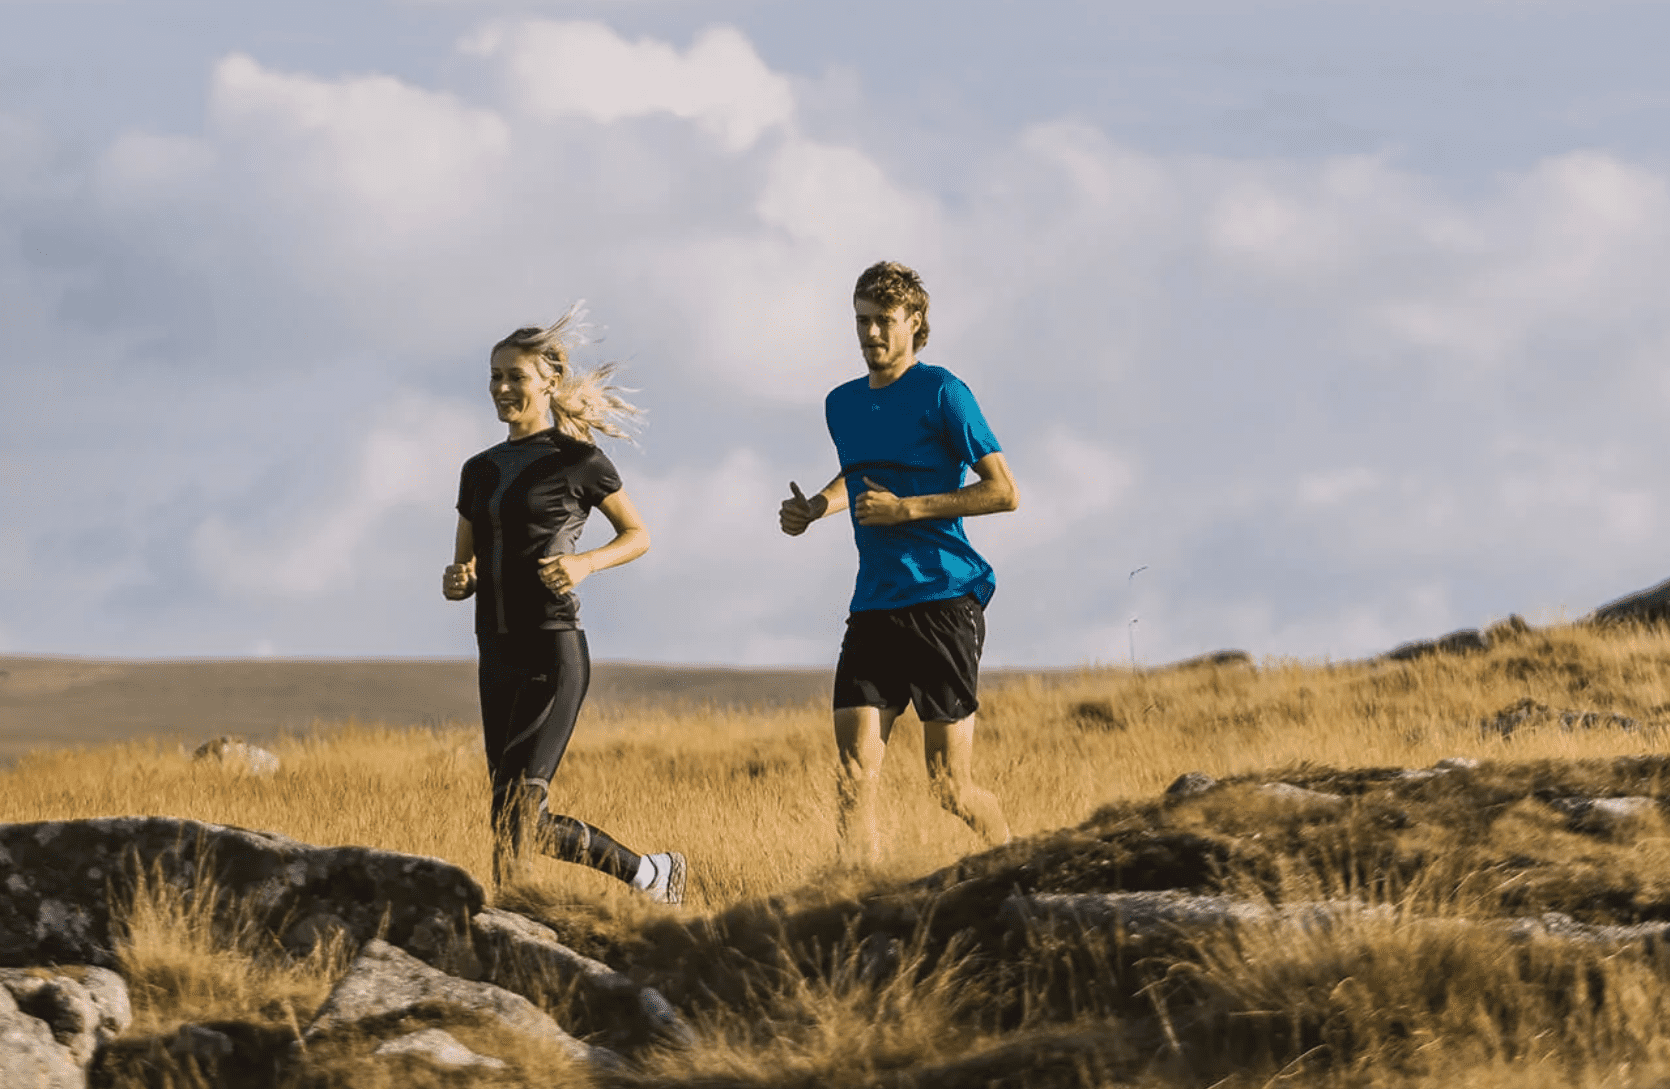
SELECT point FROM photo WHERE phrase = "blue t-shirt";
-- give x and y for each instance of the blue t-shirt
(917, 436)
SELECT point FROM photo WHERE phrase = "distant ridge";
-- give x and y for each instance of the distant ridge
(48, 702)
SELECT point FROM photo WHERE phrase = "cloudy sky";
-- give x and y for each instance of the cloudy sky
(1345, 320)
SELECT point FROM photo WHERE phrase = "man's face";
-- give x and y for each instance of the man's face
(887, 336)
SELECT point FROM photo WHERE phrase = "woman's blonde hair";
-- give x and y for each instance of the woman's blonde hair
(584, 403)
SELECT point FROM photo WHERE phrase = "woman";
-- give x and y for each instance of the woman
(521, 507)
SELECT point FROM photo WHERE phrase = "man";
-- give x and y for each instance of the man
(906, 434)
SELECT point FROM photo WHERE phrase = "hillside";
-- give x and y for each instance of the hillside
(1432, 870)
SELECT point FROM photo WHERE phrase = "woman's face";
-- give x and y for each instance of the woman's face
(521, 387)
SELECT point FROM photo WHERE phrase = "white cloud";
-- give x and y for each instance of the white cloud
(1316, 364)
(143, 162)
(396, 163)
(1565, 246)
(409, 459)
(585, 69)
(1065, 481)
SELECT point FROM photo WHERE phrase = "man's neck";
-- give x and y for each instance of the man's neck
(882, 378)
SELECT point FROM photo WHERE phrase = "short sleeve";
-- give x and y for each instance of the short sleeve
(598, 479)
(466, 490)
(966, 430)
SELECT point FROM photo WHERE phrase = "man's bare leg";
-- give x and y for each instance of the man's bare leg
(949, 749)
(861, 735)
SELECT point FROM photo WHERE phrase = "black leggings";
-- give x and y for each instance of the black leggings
(532, 685)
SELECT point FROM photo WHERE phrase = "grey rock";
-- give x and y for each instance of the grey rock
(110, 995)
(56, 875)
(1217, 659)
(384, 983)
(1558, 926)
(30, 1058)
(1649, 606)
(67, 1007)
(1464, 641)
(439, 1047)
(879, 957)
(527, 958)
(1138, 919)
(205, 1045)
(236, 754)
(315, 928)
(1190, 784)
(1443, 767)
(1604, 815)
(1302, 798)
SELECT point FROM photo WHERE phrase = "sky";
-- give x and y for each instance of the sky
(1307, 327)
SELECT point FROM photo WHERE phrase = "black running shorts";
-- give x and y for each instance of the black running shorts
(926, 654)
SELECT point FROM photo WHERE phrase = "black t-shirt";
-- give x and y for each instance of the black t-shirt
(526, 499)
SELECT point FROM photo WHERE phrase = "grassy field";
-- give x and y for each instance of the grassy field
(763, 958)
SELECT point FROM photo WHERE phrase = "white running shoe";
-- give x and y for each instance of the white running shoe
(667, 886)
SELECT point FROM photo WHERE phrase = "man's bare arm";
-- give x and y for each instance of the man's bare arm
(993, 493)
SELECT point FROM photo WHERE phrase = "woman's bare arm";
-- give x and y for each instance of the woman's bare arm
(563, 573)
(458, 581)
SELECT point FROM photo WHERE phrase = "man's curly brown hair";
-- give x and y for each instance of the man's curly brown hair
(889, 284)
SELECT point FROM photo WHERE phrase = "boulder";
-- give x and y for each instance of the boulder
(525, 957)
(1443, 767)
(1649, 606)
(30, 1058)
(1465, 641)
(1190, 784)
(82, 1013)
(1302, 798)
(203, 1045)
(1602, 816)
(57, 877)
(1217, 659)
(384, 985)
(439, 1047)
(236, 754)
(1139, 919)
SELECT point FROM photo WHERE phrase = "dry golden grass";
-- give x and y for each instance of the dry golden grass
(748, 796)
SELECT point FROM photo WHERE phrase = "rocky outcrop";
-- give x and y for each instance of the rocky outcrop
(30, 1058)
(84, 1008)
(522, 956)
(385, 985)
(440, 1047)
(1140, 921)
(445, 955)
(58, 877)
(1605, 816)
(1464, 641)
(1649, 606)
(53, 1021)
